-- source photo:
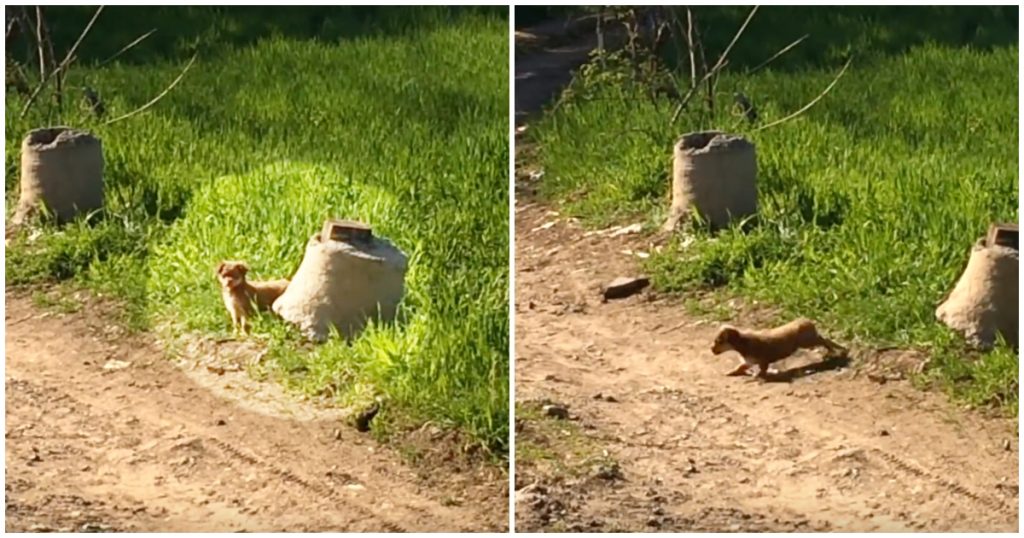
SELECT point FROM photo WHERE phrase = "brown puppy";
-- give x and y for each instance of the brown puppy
(765, 347)
(241, 296)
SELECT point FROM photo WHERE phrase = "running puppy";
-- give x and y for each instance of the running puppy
(762, 348)
(241, 296)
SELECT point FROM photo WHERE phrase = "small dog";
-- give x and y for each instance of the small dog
(762, 348)
(241, 296)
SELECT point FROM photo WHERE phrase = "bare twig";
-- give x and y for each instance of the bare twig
(63, 64)
(725, 54)
(711, 74)
(47, 39)
(813, 101)
(11, 23)
(158, 97)
(39, 44)
(784, 50)
(127, 47)
(689, 46)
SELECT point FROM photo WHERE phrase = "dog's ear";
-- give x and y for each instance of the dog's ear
(219, 269)
(243, 268)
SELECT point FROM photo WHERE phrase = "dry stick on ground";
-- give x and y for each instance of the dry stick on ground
(63, 64)
(813, 101)
(711, 74)
(158, 97)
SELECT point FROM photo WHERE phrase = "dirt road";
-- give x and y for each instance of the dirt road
(659, 439)
(700, 451)
(105, 433)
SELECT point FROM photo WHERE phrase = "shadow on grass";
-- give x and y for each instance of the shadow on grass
(834, 32)
(181, 29)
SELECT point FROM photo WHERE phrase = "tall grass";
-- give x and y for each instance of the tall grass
(869, 202)
(401, 122)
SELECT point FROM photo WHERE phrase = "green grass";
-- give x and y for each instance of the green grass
(393, 116)
(869, 202)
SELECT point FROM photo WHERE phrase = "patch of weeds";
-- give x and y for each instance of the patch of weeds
(557, 447)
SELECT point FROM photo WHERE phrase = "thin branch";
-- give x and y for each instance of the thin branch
(689, 46)
(777, 54)
(735, 38)
(709, 74)
(10, 27)
(158, 97)
(813, 101)
(63, 64)
(124, 49)
(39, 44)
(48, 40)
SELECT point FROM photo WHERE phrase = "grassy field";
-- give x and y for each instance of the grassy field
(398, 117)
(869, 202)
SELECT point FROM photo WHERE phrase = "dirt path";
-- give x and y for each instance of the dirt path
(546, 54)
(693, 450)
(701, 451)
(144, 445)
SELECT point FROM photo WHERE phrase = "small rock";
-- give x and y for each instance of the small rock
(214, 369)
(658, 511)
(883, 432)
(556, 411)
(623, 287)
(1007, 446)
(222, 422)
(611, 399)
(653, 522)
(849, 453)
(114, 364)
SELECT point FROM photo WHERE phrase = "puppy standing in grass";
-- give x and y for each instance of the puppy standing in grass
(762, 348)
(241, 296)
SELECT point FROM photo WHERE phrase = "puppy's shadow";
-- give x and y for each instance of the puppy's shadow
(830, 362)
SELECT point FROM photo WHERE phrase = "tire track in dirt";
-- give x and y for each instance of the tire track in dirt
(826, 451)
(143, 447)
